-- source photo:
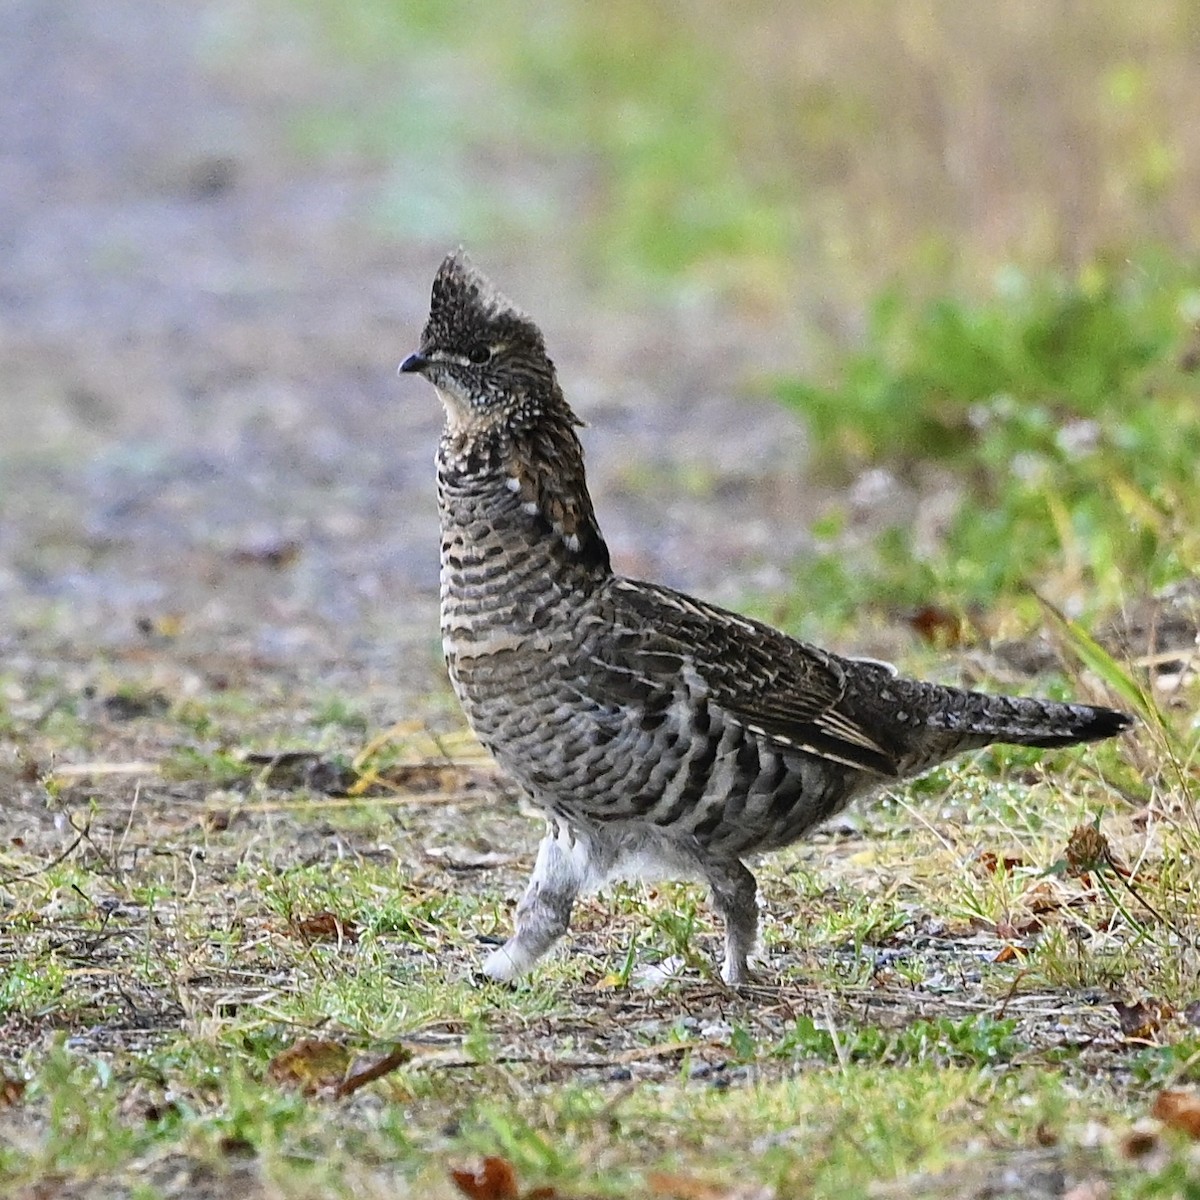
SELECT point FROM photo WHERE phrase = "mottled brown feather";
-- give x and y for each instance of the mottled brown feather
(656, 731)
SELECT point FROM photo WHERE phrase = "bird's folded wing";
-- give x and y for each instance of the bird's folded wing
(785, 690)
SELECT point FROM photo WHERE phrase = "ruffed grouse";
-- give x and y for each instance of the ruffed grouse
(660, 735)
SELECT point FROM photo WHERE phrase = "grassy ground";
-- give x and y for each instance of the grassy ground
(959, 996)
(241, 911)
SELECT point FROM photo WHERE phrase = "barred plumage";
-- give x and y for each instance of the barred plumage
(658, 733)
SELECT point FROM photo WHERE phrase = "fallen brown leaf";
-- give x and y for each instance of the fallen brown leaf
(938, 626)
(324, 927)
(1137, 1143)
(317, 1065)
(310, 1065)
(11, 1090)
(683, 1187)
(1179, 1109)
(1142, 1020)
(361, 1075)
(1012, 930)
(494, 1180)
(1049, 895)
(991, 862)
(1046, 1135)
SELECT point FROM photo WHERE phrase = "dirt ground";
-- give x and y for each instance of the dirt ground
(199, 337)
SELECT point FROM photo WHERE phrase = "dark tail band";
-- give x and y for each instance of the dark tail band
(1081, 723)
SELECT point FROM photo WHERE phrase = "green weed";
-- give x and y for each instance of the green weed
(975, 1040)
(1037, 355)
(1065, 410)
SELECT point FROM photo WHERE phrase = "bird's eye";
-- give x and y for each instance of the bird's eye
(479, 354)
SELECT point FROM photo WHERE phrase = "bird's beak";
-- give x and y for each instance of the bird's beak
(414, 364)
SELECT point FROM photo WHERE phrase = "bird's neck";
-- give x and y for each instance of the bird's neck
(518, 484)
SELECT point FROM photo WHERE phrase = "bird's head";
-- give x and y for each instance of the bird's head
(486, 358)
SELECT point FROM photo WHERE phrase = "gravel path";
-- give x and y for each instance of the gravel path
(201, 424)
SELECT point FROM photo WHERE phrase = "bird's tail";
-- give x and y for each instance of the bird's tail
(1024, 722)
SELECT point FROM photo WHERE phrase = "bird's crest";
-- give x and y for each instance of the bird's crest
(462, 295)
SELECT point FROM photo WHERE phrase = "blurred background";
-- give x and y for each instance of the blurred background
(874, 310)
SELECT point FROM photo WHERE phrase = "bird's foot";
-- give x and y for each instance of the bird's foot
(738, 973)
(506, 963)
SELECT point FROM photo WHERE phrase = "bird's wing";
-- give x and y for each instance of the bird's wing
(773, 685)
